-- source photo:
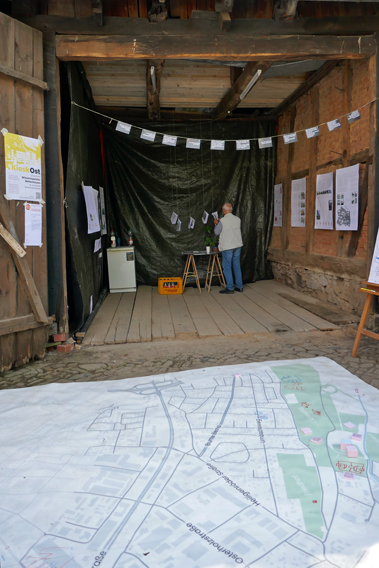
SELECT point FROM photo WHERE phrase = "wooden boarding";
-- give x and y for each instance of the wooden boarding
(118, 330)
(271, 323)
(370, 290)
(102, 321)
(317, 307)
(224, 322)
(321, 324)
(293, 322)
(202, 319)
(140, 325)
(238, 314)
(183, 325)
(161, 321)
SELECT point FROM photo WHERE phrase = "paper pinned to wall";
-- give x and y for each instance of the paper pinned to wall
(324, 201)
(374, 271)
(92, 206)
(278, 205)
(215, 215)
(174, 218)
(23, 167)
(97, 245)
(33, 225)
(347, 198)
(102, 212)
(179, 225)
(205, 217)
(298, 202)
(191, 223)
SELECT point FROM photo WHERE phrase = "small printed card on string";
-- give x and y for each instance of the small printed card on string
(312, 132)
(179, 225)
(278, 205)
(174, 218)
(97, 245)
(205, 217)
(215, 215)
(242, 144)
(148, 135)
(353, 116)
(290, 138)
(264, 143)
(193, 143)
(191, 223)
(124, 127)
(169, 140)
(324, 201)
(92, 205)
(334, 124)
(217, 144)
(33, 225)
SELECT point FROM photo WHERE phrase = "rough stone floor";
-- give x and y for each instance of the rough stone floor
(110, 362)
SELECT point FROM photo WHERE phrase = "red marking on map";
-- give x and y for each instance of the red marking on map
(314, 501)
(351, 467)
(48, 557)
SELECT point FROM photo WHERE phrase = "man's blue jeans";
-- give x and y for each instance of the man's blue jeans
(231, 259)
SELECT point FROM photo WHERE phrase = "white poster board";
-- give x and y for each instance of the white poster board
(278, 205)
(298, 202)
(92, 205)
(23, 177)
(374, 271)
(33, 224)
(347, 198)
(324, 201)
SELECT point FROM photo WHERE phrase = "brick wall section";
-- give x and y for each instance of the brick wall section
(331, 147)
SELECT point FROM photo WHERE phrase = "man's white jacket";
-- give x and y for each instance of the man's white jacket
(230, 237)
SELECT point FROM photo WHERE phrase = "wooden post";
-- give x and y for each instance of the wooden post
(287, 187)
(56, 245)
(311, 190)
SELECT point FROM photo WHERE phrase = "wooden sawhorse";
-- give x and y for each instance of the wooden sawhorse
(371, 290)
(214, 266)
(190, 262)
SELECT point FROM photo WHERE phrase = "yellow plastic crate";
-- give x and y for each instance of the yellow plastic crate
(170, 285)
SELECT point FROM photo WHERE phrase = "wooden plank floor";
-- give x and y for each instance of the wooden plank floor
(262, 307)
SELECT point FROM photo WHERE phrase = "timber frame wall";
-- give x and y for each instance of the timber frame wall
(330, 265)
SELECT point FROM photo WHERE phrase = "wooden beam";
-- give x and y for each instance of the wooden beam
(252, 74)
(222, 47)
(23, 77)
(333, 264)
(304, 88)
(209, 25)
(11, 241)
(21, 323)
(97, 8)
(26, 279)
(154, 87)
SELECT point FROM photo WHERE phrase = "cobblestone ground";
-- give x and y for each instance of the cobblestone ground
(111, 362)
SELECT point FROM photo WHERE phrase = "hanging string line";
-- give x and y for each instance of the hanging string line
(226, 140)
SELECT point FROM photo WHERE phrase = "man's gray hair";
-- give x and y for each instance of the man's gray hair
(227, 207)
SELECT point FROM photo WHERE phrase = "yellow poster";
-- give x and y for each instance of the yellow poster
(23, 179)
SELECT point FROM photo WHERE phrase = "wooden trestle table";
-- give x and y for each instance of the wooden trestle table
(214, 268)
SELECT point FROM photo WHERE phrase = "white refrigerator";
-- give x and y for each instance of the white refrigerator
(121, 269)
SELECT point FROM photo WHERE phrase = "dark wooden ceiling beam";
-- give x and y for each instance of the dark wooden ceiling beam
(304, 88)
(153, 81)
(346, 25)
(252, 73)
(222, 47)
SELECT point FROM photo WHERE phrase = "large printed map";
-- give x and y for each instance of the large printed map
(261, 465)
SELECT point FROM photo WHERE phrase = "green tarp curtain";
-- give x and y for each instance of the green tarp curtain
(147, 181)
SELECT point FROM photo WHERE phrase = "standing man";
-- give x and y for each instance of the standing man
(230, 244)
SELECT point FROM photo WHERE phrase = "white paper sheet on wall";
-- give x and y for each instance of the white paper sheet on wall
(33, 224)
(278, 205)
(347, 198)
(298, 202)
(324, 201)
(92, 206)
(374, 271)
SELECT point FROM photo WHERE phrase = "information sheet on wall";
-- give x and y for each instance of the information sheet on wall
(298, 202)
(278, 205)
(33, 225)
(23, 178)
(324, 201)
(374, 272)
(92, 200)
(102, 212)
(347, 198)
